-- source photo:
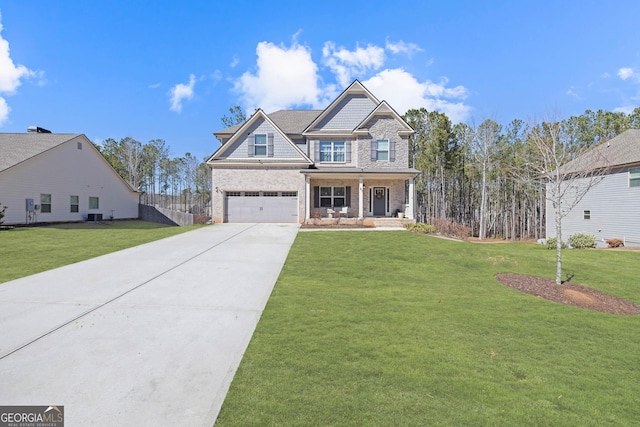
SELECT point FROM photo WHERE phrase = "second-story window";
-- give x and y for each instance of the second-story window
(260, 144)
(382, 151)
(331, 151)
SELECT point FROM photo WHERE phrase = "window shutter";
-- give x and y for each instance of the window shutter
(392, 151)
(316, 151)
(251, 151)
(347, 152)
(374, 149)
(316, 197)
(347, 195)
(270, 145)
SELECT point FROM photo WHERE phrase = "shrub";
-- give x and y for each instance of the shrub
(582, 241)
(552, 242)
(451, 229)
(420, 227)
(2, 209)
(615, 243)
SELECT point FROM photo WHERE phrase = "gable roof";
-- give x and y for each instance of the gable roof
(15, 148)
(354, 88)
(241, 129)
(291, 122)
(384, 109)
(623, 149)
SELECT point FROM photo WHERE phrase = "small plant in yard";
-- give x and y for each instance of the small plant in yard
(551, 243)
(582, 241)
(2, 209)
(420, 227)
(615, 243)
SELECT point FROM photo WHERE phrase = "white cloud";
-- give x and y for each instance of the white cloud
(403, 47)
(403, 92)
(347, 64)
(234, 61)
(11, 76)
(285, 77)
(180, 92)
(628, 73)
(572, 93)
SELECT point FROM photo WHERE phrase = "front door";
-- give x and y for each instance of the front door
(379, 201)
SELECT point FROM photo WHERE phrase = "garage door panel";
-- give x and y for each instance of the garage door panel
(271, 208)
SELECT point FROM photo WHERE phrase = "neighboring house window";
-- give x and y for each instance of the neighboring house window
(383, 149)
(587, 214)
(331, 151)
(94, 203)
(45, 203)
(634, 177)
(260, 144)
(74, 201)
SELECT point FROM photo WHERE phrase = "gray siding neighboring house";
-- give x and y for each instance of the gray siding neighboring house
(350, 159)
(611, 208)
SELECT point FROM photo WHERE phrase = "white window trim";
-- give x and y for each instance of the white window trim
(378, 150)
(334, 151)
(333, 196)
(256, 145)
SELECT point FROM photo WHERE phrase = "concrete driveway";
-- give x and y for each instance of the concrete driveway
(150, 335)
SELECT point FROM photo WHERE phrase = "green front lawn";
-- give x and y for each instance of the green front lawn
(30, 250)
(395, 328)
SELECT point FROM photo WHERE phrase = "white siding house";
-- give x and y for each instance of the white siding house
(65, 177)
(611, 208)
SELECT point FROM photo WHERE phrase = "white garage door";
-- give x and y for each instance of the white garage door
(261, 206)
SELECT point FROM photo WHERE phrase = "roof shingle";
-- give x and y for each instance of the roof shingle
(17, 147)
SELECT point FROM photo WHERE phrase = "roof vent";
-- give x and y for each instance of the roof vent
(37, 129)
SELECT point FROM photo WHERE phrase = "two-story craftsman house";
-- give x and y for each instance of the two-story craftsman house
(349, 160)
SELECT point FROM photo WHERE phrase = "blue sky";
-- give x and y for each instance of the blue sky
(172, 69)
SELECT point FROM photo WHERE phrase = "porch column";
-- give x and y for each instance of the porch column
(412, 209)
(307, 197)
(360, 198)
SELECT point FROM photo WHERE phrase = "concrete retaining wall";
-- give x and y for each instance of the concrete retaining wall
(165, 216)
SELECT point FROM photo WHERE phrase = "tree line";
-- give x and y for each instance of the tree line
(491, 178)
(179, 183)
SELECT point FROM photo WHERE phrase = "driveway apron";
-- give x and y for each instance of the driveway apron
(151, 335)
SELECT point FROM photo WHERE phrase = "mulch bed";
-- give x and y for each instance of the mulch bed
(569, 293)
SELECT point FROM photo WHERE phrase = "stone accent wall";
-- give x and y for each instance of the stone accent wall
(383, 128)
(255, 179)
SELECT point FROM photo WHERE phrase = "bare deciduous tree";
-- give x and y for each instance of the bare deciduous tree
(569, 174)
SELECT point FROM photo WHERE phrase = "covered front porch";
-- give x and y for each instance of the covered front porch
(342, 193)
